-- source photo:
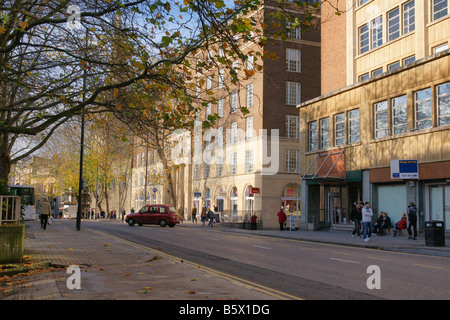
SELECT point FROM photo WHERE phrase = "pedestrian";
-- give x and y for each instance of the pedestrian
(203, 216)
(253, 219)
(181, 214)
(194, 214)
(412, 220)
(281, 218)
(377, 225)
(400, 224)
(123, 214)
(367, 214)
(211, 217)
(386, 223)
(132, 210)
(46, 211)
(356, 217)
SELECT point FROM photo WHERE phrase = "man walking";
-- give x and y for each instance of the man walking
(367, 221)
(46, 211)
(412, 220)
(356, 217)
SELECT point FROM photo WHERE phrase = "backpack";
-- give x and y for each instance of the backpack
(412, 212)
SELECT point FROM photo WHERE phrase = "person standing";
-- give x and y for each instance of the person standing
(46, 211)
(203, 216)
(194, 214)
(211, 217)
(123, 214)
(367, 214)
(281, 218)
(253, 219)
(356, 217)
(412, 220)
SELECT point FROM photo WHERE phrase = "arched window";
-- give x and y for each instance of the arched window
(234, 202)
(249, 202)
(291, 200)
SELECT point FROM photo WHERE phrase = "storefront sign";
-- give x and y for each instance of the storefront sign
(197, 194)
(404, 169)
(290, 192)
(254, 190)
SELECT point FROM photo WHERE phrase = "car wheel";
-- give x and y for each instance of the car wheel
(131, 222)
(163, 223)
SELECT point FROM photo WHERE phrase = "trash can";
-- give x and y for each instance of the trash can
(434, 233)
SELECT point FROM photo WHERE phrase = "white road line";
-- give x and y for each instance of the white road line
(213, 239)
(263, 247)
(350, 261)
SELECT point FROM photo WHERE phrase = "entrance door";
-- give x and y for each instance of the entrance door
(334, 208)
(440, 204)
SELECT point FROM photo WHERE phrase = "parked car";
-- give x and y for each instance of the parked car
(154, 214)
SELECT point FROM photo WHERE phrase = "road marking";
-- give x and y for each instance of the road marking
(181, 234)
(426, 266)
(262, 247)
(239, 281)
(212, 239)
(350, 261)
(338, 252)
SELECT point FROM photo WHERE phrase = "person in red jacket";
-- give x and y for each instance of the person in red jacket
(400, 225)
(253, 219)
(281, 218)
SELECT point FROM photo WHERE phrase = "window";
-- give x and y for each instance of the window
(312, 136)
(440, 48)
(221, 78)
(339, 129)
(294, 33)
(293, 60)
(292, 160)
(364, 35)
(293, 127)
(208, 110)
(219, 166)
(440, 8)
(248, 161)
(249, 128)
(234, 101)
(353, 126)
(324, 133)
(409, 60)
(220, 137)
(196, 171)
(408, 17)
(250, 60)
(208, 83)
(381, 119)
(377, 72)
(377, 32)
(207, 170)
(364, 76)
(234, 163)
(443, 104)
(394, 24)
(137, 160)
(220, 108)
(394, 66)
(233, 136)
(235, 64)
(361, 2)
(399, 115)
(422, 103)
(250, 95)
(293, 93)
(136, 181)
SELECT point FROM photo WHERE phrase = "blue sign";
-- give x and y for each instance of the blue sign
(154, 190)
(404, 169)
(197, 194)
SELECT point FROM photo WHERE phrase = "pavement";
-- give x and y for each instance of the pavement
(113, 269)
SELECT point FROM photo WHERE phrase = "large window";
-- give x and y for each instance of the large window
(399, 114)
(377, 32)
(220, 107)
(439, 8)
(394, 24)
(292, 160)
(233, 163)
(233, 136)
(409, 17)
(364, 38)
(353, 126)
(249, 128)
(293, 93)
(324, 133)
(381, 119)
(339, 129)
(293, 127)
(250, 95)
(422, 103)
(312, 135)
(293, 60)
(234, 101)
(443, 104)
(248, 161)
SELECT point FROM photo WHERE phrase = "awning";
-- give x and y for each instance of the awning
(325, 171)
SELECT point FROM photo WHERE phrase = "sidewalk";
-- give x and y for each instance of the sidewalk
(112, 269)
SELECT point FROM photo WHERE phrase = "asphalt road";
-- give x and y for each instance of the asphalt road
(302, 269)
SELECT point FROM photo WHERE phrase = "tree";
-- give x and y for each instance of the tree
(56, 60)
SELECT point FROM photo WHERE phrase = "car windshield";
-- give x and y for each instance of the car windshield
(172, 209)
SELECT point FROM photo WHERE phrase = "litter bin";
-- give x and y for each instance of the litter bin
(434, 233)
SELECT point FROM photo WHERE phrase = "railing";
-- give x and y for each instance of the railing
(10, 209)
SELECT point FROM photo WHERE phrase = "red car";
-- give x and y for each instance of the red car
(154, 214)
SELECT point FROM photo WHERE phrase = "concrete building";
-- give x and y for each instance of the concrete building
(385, 107)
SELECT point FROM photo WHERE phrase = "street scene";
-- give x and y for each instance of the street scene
(221, 157)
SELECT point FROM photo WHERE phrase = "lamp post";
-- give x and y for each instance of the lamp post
(80, 180)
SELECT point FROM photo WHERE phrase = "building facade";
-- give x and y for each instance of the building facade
(394, 108)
